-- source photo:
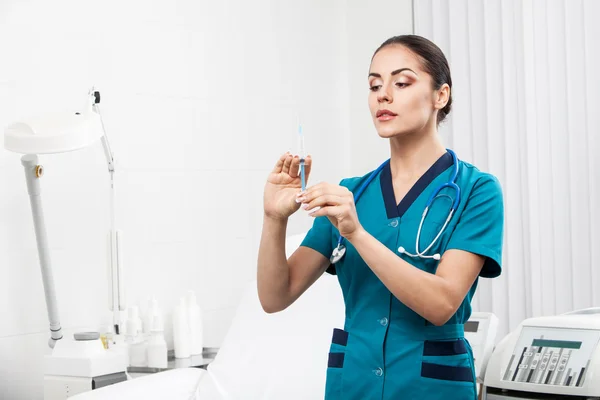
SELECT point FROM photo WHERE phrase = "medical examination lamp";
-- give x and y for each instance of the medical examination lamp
(59, 133)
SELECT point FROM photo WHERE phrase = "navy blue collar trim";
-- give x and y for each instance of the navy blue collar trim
(394, 210)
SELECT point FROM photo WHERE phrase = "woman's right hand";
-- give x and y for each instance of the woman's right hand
(282, 186)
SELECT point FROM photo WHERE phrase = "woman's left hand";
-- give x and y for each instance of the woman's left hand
(334, 201)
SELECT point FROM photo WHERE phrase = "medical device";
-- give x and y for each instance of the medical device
(81, 365)
(340, 250)
(554, 357)
(82, 362)
(302, 157)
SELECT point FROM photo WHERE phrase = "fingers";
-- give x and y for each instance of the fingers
(290, 165)
(295, 167)
(324, 201)
(321, 189)
(329, 211)
(287, 163)
(279, 164)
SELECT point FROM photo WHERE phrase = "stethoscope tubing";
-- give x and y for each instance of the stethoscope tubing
(339, 251)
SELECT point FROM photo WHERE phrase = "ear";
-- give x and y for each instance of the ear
(441, 96)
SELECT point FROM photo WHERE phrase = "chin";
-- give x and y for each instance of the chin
(387, 132)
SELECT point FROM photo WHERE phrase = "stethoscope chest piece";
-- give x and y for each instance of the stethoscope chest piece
(337, 253)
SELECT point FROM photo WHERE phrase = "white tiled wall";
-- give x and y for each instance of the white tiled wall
(199, 99)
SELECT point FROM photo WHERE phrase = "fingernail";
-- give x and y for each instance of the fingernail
(299, 199)
(314, 210)
(305, 206)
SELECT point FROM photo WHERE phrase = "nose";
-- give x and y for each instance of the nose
(384, 95)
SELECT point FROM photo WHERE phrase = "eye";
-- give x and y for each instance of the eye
(374, 88)
(401, 84)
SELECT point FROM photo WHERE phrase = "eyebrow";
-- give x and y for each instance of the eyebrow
(395, 72)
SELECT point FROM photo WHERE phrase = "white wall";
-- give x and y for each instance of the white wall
(370, 23)
(199, 99)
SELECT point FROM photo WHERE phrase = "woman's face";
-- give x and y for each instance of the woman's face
(401, 98)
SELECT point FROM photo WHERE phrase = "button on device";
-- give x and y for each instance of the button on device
(383, 321)
(378, 372)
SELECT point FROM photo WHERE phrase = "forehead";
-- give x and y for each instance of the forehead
(394, 57)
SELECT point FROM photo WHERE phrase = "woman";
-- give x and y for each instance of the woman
(407, 290)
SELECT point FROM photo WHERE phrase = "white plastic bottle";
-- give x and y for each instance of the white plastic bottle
(157, 346)
(147, 318)
(181, 331)
(151, 311)
(136, 345)
(134, 322)
(195, 321)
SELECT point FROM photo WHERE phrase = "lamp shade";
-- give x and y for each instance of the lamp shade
(53, 133)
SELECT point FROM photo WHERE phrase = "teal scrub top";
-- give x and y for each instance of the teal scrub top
(386, 350)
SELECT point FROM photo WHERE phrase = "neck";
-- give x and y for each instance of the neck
(413, 154)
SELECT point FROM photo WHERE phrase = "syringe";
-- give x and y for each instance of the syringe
(302, 157)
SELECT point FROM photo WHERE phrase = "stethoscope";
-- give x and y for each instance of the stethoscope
(340, 250)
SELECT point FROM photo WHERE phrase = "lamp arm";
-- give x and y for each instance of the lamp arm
(33, 172)
(108, 153)
(110, 158)
(116, 286)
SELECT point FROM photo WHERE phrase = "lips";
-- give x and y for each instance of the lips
(385, 115)
(385, 112)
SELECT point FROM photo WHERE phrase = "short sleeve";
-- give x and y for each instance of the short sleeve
(480, 228)
(319, 236)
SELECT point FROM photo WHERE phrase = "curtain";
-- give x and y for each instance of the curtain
(526, 91)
